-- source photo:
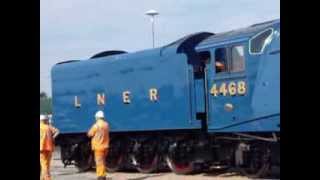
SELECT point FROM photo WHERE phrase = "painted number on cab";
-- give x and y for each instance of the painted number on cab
(229, 89)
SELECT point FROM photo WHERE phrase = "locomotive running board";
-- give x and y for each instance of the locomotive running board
(273, 139)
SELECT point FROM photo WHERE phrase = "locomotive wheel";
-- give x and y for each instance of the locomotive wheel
(114, 156)
(255, 171)
(145, 157)
(258, 163)
(67, 154)
(179, 158)
(147, 166)
(84, 157)
(85, 164)
(180, 167)
(113, 163)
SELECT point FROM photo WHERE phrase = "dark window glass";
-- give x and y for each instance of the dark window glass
(221, 60)
(258, 43)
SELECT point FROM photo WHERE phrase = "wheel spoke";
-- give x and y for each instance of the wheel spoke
(115, 155)
(180, 168)
(257, 164)
(113, 163)
(145, 157)
(180, 158)
(147, 166)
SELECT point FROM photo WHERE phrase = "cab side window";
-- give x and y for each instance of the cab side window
(237, 64)
(221, 60)
(259, 41)
(230, 59)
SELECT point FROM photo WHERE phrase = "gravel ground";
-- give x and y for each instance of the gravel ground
(58, 172)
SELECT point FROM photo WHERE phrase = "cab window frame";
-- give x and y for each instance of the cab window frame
(264, 45)
(227, 56)
(229, 59)
(244, 58)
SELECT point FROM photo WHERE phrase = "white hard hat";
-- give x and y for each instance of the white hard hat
(43, 117)
(99, 114)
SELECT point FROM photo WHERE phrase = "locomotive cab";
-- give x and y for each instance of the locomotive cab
(234, 92)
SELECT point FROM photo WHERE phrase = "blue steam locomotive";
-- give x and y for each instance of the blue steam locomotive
(204, 101)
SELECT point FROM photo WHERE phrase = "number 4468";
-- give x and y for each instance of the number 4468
(231, 88)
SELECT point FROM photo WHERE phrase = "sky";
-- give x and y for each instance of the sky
(78, 29)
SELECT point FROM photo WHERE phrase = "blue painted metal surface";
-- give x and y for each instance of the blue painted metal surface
(136, 73)
(253, 111)
(169, 69)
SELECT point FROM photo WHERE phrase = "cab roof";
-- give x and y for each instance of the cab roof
(190, 43)
(243, 33)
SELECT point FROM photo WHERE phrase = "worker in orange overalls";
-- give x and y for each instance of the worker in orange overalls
(47, 135)
(99, 133)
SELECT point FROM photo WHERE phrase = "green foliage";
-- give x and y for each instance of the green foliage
(45, 104)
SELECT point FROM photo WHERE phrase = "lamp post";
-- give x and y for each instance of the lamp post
(152, 13)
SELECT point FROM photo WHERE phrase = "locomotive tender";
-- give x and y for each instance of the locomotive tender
(206, 100)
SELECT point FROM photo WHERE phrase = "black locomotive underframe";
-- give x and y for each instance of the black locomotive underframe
(205, 150)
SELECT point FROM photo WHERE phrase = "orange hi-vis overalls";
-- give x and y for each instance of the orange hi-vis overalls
(100, 144)
(46, 149)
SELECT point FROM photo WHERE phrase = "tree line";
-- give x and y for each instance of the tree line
(45, 103)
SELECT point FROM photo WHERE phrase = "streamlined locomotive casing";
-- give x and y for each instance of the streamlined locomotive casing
(217, 94)
(258, 110)
(180, 95)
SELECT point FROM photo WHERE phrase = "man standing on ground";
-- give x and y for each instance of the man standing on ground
(99, 133)
(47, 135)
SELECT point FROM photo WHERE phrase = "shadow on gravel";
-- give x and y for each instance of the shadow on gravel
(66, 173)
(220, 173)
(145, 177)
(232, 172)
